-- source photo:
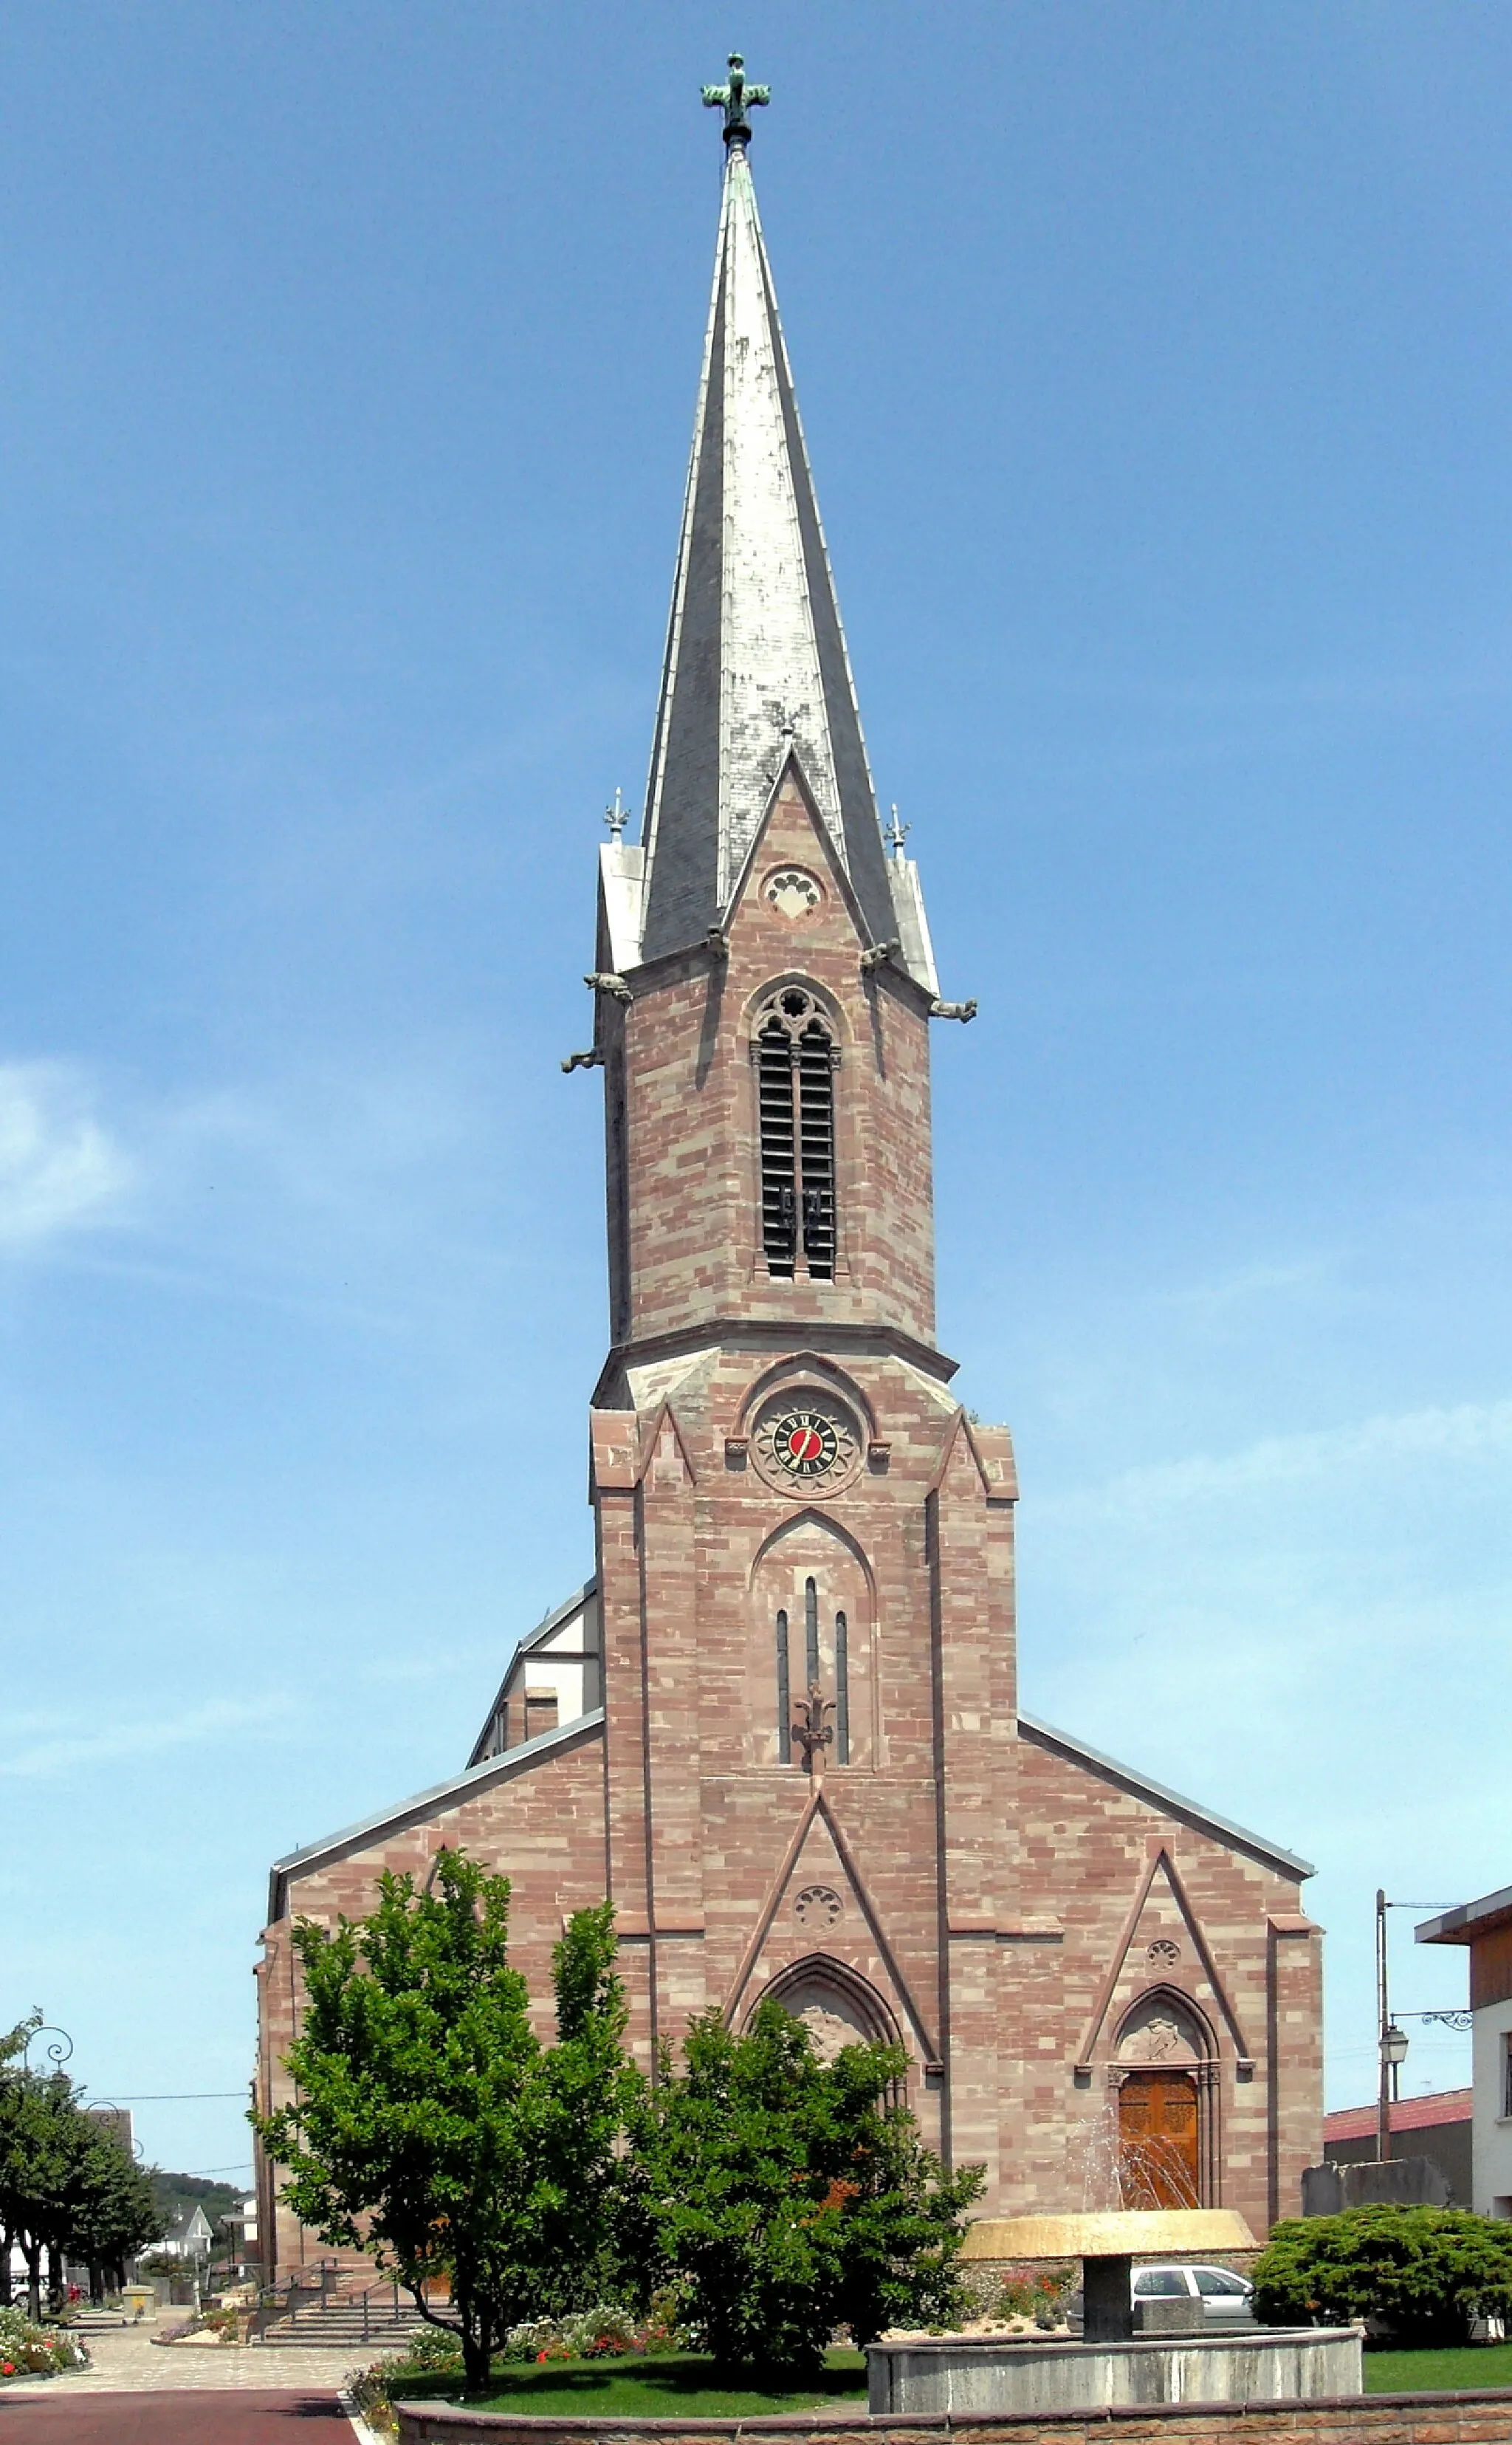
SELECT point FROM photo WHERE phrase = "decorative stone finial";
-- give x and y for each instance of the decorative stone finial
(617, 816)
(812, 1734)
(735, 100)
(896, 833)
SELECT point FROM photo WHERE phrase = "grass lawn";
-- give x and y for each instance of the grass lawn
(1441, 2372)
(676, 2385)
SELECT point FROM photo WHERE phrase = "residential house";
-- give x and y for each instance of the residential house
(188, 2237)
(1485, 1929)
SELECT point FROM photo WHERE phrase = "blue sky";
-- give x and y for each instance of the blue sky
(1155, 364)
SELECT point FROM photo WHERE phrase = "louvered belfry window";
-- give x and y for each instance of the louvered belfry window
(795, 1059)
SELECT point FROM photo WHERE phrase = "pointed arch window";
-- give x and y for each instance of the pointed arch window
(819, 1656)
(796, 1058)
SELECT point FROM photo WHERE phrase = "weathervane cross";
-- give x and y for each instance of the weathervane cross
(735, 100)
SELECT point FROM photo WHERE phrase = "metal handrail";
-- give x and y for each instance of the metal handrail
(286, 2300)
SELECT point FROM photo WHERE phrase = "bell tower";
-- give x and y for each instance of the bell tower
(804, 1548)
(764, 974)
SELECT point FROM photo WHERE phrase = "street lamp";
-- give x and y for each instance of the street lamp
(1392, 2042)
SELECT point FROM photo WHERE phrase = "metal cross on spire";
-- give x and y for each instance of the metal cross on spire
(735, 100)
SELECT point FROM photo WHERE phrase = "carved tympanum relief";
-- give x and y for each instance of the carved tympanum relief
(830, 2017)
(1161, 2031)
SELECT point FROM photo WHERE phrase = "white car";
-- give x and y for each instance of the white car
(1223, 2295)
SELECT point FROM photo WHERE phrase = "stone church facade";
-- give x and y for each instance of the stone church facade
(780, 1725)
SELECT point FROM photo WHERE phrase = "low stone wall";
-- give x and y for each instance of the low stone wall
(1483, 2417)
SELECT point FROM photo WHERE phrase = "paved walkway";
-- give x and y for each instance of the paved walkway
(125, 2360)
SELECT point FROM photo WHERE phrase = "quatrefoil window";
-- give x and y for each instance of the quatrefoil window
(791, 892)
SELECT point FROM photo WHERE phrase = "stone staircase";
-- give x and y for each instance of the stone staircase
(353, 2318)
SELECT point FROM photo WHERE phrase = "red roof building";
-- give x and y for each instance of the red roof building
(1437, 2126)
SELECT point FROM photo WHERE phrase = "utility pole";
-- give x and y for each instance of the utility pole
(1383, 2022)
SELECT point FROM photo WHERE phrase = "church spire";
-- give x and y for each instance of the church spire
(756, 667)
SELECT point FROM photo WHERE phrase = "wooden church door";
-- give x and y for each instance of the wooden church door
(1157, 2140)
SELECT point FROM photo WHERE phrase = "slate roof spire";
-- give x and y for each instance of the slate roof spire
(756, 660)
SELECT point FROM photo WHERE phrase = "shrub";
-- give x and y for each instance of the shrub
(432, 2352)
(27, 2350)
(1422, 2272)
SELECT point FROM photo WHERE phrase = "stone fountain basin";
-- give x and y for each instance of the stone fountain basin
(1111, 2366)
(998, 2372)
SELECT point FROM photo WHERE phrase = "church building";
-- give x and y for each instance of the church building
(780, 1725)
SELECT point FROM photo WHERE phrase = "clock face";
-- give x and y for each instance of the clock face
(804, 1442)
(803, 1439)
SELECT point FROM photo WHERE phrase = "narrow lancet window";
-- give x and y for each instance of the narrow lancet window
(842, 1692)
(794, 1056)
(784, 1695)
(811, 1632)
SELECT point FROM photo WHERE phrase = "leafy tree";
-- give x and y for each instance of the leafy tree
(67, 2190)
(31, 2169)
(432, 2127)
(787, 2197)
(112, 2212)
(1424, 2273)
(66, 2187)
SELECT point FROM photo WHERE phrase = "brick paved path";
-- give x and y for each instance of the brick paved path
(193, 2415)
(126, 2363)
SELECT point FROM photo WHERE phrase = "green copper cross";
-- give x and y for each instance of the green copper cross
(735, 100)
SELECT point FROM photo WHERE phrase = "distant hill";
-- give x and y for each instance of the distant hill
(176, 2191)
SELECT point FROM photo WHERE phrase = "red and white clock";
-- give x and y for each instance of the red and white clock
(805, 1439)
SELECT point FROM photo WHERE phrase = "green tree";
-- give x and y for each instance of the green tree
(432, 2127)
(787, 2197)
(66, 2188)
(111, 2210)
(1424, 2273)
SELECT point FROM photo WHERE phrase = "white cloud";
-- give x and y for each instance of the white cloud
(1471, 1433)
(148, 1736)
(60, 1169)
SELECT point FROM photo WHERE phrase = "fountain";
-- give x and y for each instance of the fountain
(1137, 2205)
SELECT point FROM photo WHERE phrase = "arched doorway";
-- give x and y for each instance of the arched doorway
(1165, 2071)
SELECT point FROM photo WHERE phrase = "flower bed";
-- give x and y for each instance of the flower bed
(27, 2350)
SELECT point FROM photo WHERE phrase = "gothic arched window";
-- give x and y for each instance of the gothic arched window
(813, 1630)
(796, 1058)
